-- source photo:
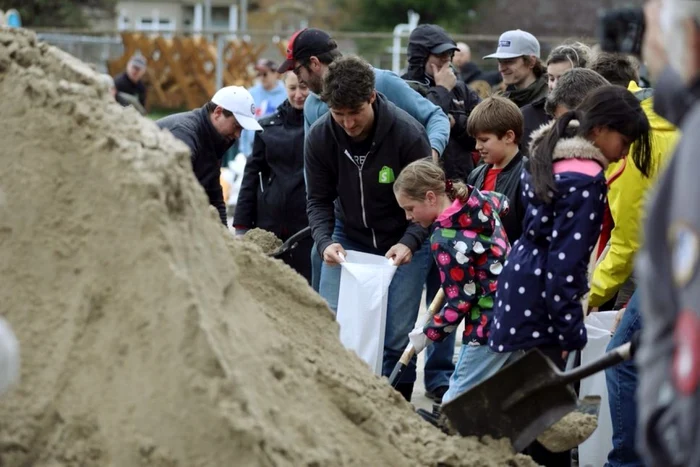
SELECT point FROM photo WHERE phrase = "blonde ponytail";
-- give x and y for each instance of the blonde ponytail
(459, 191)
(422, 176)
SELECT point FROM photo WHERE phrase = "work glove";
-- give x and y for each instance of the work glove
(9, 357)
(418, 339)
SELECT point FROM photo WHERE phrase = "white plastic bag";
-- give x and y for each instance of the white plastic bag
(362, 303)
(594, 451)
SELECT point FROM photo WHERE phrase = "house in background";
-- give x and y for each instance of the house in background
(269, 15)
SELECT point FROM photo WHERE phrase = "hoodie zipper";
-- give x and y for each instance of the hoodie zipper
(362, 193)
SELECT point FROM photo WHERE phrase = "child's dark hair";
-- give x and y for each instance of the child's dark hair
(611, 107)
(422, 176)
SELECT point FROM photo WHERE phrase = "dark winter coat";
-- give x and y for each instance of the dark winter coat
(457, 159)
(508, 184)
(534, 117)
(207, 147)
(123, 84)
(540, 290)
(363, 189)
(272, 194)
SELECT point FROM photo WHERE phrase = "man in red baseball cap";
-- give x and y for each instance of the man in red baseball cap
(310, 51)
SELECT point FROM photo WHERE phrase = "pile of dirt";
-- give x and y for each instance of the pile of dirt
(267, 241)
(570, 431)
(149, 336)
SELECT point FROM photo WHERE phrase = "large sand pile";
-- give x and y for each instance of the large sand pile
(149, 336)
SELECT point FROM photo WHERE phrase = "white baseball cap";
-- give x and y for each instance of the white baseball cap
(516, 43)
(239, 102)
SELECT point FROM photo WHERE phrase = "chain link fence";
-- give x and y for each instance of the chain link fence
(97, 48)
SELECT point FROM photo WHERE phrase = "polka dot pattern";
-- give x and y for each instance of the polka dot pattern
(558, 239)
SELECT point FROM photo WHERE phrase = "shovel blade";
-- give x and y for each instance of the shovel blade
(500, 408)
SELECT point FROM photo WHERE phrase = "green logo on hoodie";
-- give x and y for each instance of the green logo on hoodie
(386, 175)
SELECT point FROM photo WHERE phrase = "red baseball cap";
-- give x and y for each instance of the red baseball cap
(304, 44)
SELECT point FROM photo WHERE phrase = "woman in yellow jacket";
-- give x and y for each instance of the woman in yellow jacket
(627, 187)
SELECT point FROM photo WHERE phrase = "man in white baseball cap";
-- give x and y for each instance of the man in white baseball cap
(209, 132)
(518, 56)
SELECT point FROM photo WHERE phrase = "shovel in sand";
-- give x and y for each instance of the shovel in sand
(524, 399)
(408, 354)
(292, 242)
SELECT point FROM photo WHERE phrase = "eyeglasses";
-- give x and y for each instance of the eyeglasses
(263, 74)
(297, 69)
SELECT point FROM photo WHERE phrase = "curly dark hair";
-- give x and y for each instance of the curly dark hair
(348, 83)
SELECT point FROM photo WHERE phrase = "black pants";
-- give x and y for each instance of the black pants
(539, 453)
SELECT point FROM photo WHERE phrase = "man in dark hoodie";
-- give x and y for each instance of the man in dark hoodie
(430, 52)
(352, 156)
(209, 132)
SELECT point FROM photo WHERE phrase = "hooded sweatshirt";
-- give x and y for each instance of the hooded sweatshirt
(470, 246)
(457, 159)
(357, 187)
(627, 189)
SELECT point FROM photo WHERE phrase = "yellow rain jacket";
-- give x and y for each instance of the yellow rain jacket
(627, 189)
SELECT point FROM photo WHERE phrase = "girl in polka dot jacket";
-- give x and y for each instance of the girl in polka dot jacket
(542, 285)
(469, 245)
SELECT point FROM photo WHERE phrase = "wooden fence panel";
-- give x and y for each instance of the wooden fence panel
(181, 71)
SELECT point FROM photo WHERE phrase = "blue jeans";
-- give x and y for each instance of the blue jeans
(438, 356)
(403, 301)
(475, 364)
(622, 398)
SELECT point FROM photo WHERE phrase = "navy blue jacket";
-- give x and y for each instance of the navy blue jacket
(541, 287)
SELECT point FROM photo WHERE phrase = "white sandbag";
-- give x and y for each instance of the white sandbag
(594, 451)
(362, 303)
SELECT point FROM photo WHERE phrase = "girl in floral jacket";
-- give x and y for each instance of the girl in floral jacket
(469, 246)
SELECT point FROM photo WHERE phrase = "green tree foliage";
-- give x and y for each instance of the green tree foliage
(55, 13)
(383, 15)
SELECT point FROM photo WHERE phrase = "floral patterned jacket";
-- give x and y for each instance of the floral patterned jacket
(469, 245)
